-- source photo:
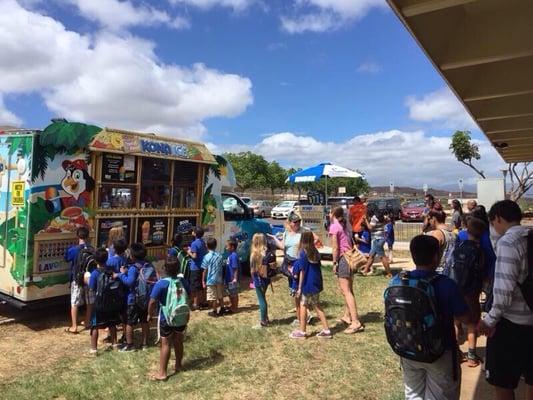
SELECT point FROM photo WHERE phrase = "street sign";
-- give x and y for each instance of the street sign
(17, 193)
(342, 190)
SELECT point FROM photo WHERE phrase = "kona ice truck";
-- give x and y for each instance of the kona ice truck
(72, 174)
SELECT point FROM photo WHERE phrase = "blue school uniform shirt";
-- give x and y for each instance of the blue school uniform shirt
(198, 246)
(450, 303)
(116, 261)
(129, 279)
(489, 256)
(160, 291)
(232, 266)
(312, 275)
(365, 247)
(258, 280)
(389, 233)
(214, 264)
(71, 255)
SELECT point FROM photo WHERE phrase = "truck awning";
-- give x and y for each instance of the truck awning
(484, 51)
(150, 145)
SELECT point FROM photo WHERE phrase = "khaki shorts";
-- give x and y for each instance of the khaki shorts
(215, 292)
(310, 300)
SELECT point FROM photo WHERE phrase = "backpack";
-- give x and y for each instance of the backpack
(449, 246)
(412, 323)
(176, 309)
(526, 287)
(145, 282)
(466, 269)
(84, 263)
(110, 294)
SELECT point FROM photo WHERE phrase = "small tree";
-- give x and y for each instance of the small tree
(250, 169)
(464, 150)
(275, 176)
(521, 180)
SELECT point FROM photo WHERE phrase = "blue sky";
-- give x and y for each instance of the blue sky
(299, 81)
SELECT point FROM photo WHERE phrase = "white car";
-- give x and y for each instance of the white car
(283, 209)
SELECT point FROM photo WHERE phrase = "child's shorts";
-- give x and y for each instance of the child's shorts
(292, 292)
(101, 320)
(77, 294)
(378, 247)
(195, 280)
(135, 315)
(472, 301)
(165, 330)
(215, 292)
(232, 289)
(310, 300)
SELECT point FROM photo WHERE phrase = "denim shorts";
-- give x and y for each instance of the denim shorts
(343, 269)
(378, 248)
(232, 289)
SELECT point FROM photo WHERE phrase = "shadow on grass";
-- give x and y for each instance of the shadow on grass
(371, 317)
(282, 321)
(213, 358)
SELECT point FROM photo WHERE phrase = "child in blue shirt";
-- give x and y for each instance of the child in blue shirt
(309, 286)
(197, 252)
(129, 276)
(232, 275)
(212, 270)
(389, 235)
(115, 262)
(101, 318)
(364, 239)
(171, 337)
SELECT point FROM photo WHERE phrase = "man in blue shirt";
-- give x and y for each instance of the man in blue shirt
(436, 380)
(197, 252)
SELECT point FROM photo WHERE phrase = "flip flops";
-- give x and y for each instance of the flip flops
(351, 331)
(67, 330)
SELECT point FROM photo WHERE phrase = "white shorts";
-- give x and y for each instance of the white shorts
(425, 381)
(78, 295)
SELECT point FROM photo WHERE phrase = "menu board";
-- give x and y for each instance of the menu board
(105, 225)
(185, 226)
(152, 231)
(118, 168)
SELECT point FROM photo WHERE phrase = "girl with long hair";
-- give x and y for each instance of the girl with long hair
(341, 242)
(260, 258)
(309, 286)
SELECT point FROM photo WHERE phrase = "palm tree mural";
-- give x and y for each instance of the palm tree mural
(60, 137)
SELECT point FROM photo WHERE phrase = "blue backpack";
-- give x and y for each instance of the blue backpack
(146, 279)
(412, 324)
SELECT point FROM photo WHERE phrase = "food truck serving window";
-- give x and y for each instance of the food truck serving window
(185, 178)
(119, 168)
(155, 183)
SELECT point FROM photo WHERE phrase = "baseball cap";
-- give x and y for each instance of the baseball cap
(294, 217)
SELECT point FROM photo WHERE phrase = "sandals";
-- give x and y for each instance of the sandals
(351, 331)
(67, 330)
(473, 360)
(343, 321)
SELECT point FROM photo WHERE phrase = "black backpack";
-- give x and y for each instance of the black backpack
(413, 326)
(110, 294)
(84, 263)
(467, 266)
(526, 287)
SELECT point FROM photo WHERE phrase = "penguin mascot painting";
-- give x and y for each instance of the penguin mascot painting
(77, 184)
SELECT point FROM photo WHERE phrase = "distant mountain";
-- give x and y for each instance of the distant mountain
(406, 191)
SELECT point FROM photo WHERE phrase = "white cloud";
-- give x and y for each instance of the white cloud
(111, 80)
(236, 5)
(326, 15)
(441, 107)
(6, 116)
(407, 158)
(117, 14)
(370, 67)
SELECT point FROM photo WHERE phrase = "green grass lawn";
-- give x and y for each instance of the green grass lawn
(226, 359)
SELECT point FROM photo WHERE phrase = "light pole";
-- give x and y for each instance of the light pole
(461, 187)
(504, 172)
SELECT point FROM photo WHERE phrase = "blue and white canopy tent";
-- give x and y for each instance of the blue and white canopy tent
(326, 170)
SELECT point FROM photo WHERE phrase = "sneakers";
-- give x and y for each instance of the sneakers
(297, 334)
(324, 334)
(127, 348)
(92, 353)
(261, 325)
(214, 314)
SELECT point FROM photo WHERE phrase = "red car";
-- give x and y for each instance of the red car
(413, 211)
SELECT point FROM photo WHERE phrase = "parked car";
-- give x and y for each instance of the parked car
(345, 202)
(262, 208)
(390, 205)
(283, 209)
(413, 211)
(247, 200)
